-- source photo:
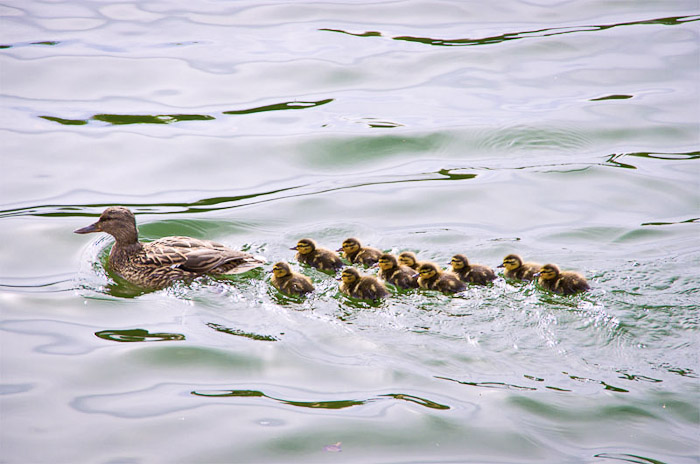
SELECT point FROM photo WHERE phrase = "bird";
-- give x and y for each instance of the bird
(517, 269)
(320, 258)
(471, 273)
(562, 282)
(361, 286)
(432, 278)
(357, 254)
(408, 258)
(287, 281)
(155, 265)
(397, 274)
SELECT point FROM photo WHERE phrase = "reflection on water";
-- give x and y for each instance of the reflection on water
(137, 335)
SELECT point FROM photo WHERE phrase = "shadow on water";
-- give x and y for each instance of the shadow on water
(124, 119)
(670, 21)
(338, 404)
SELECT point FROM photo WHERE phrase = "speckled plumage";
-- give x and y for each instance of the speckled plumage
(471, 273)
(562, 282)
(432, 278)
(362, 286)
(357, 254)
(408, 258)
(154, 265)
(320, 258)
(287, 281)
(515, 268)
(396, 274)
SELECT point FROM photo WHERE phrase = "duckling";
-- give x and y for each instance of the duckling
(361, 286)
(471, 273)
(289, 282)
(357, 254)
(154, 265)
(408, 258)
(320, 258)
(517, 269)
(563, 282)
(396, 274)
(432, 278)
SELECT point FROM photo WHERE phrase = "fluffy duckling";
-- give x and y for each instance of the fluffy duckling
(471, 273)
(361, 286)
(357, 254)
(397, 274)
(562, 282)
(517, 269)
(287, 281)
(154, 265)
(432, 278)
(320, 258)
(408, 258)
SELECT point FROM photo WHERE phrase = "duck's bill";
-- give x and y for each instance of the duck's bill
(88, 229)
(501, 265)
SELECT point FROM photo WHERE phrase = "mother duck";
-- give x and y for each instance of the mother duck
(157, 264)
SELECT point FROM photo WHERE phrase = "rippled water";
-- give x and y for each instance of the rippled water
(565, 131)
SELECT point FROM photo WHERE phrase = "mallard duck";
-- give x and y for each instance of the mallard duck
(408, 258)
(156, 264)
(563, 282)
(357, 254)
(289, 282)
(517, 269)
(361, 286)
(471, 273)
(432, 278)
(396, 274)
(320, 258)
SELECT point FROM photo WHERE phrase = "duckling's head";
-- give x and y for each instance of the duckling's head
(350, 246)
(305, 246)
(281, 269)
(117, 221)
(350, 275)
(387, 261)
(512, 262)
(428, 270)
(548, 272)
(408, 258)
(459, 262)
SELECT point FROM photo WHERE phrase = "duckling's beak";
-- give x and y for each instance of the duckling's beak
(536, 274)
(501, 265)
(339, 249)
(293, 248)
(88, 229)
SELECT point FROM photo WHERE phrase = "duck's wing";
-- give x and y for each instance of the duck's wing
(200, 256)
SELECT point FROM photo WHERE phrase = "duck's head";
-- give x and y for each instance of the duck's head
(387, 261)
(350, 275)
(408, 258)
(548, 272)
(511, 262)
(428, 270)
(281, 269)
(305, 246)
(350, 246)
(459, 262)
(117, 221)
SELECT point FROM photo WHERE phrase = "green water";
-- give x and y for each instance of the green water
(566, 132)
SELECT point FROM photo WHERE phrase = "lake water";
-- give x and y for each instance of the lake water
(565, 131)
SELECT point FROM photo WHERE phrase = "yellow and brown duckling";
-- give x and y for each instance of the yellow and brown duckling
(154, 265)
(408, 258)
(517, 269)
(562, 282)
(396, 274)
(320, 258)
(287, 281)
(361, 286)
(357, 254)
(431, 277)
(471, 273)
